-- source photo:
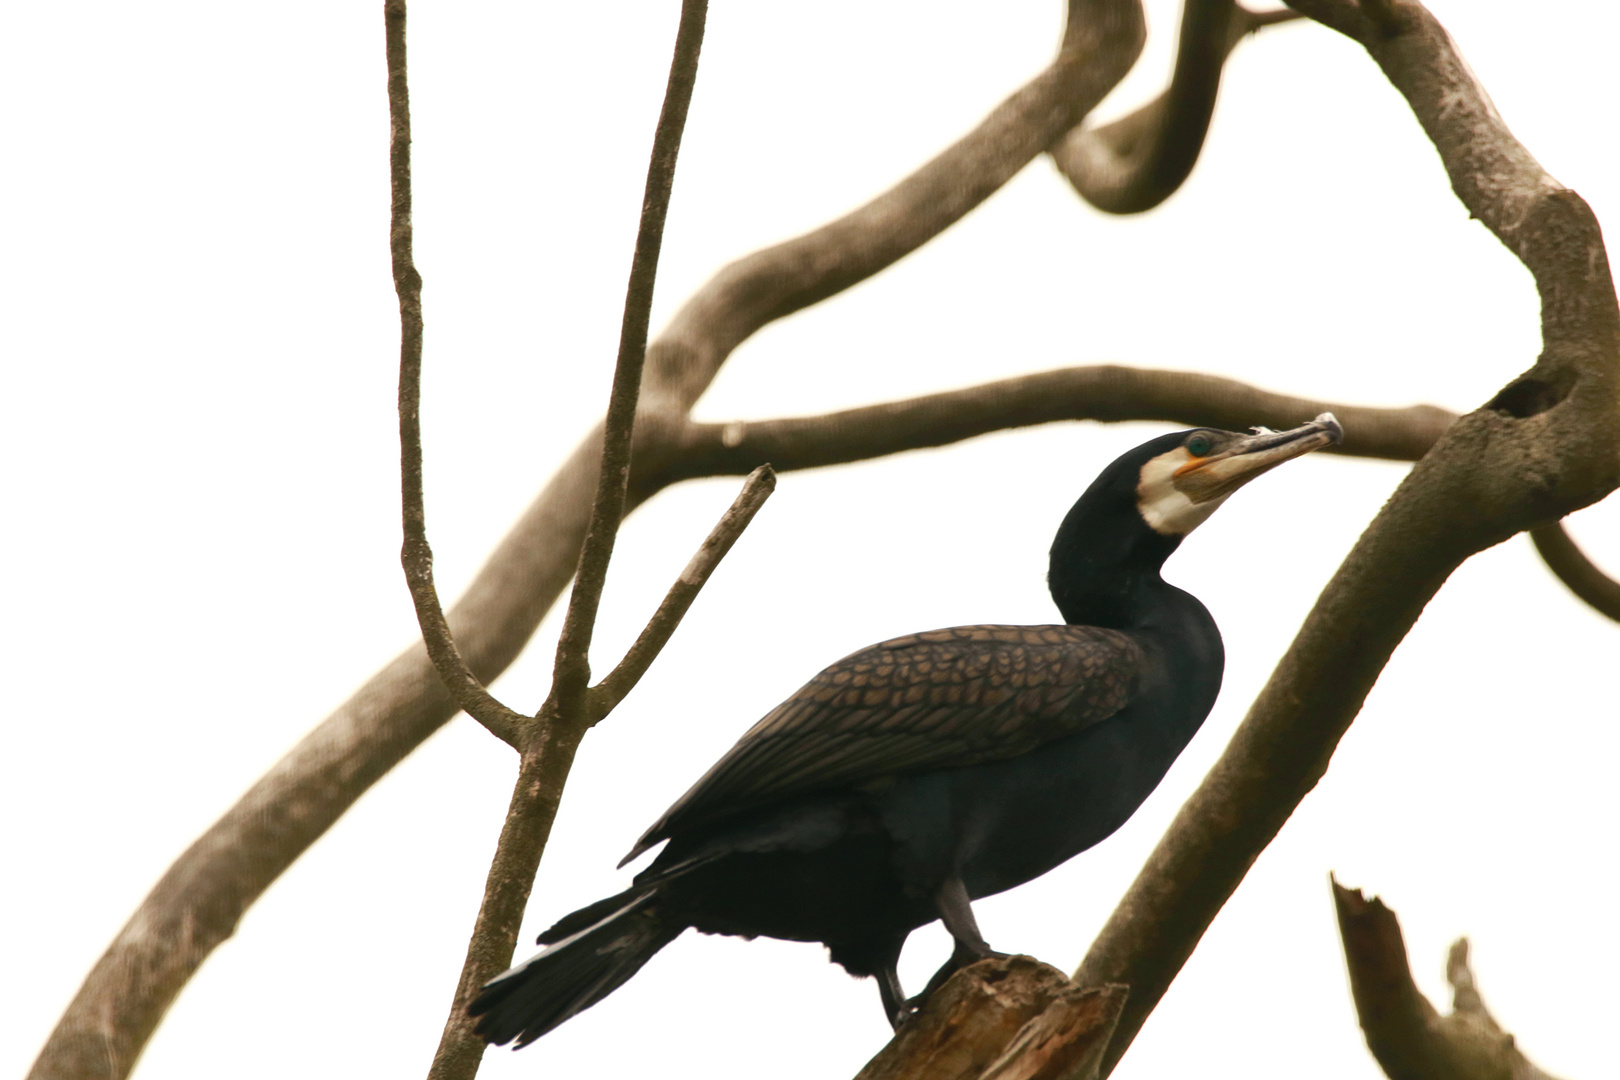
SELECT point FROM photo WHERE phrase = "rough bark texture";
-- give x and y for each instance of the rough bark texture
(1008, 1019)
(1408, 1036)
(1547, 444)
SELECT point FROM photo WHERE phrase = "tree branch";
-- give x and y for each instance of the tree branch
(1108, 393)
(1012, 1018)
(607, 694)
(1566, 560)
(1136, 162)
(197, 903)
(1406, 1034)
(573, 668)
(415, 554)
(1547, 444)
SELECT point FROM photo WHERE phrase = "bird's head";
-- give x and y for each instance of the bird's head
(1140, 507)
(1183, 478)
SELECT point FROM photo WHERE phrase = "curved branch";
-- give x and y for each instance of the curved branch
(1547, 444)
(1136, 162)
(1566, 560)
(197, 903)
(1407, 1034)
(415, 555)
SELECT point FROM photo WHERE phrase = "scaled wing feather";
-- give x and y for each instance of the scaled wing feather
(937, 700)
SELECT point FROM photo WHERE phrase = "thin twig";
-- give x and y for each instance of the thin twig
(607, 694)
(1565, 559)
(415, 554)
(572, 672)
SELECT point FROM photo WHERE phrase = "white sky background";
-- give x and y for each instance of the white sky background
(202, 523)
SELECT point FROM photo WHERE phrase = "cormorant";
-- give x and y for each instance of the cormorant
(919, 774)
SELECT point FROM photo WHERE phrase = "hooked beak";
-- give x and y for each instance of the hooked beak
(1216, 476)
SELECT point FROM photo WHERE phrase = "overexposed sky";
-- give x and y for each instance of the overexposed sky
(200, 353)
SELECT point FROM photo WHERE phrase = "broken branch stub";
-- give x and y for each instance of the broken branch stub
(1406, 1034)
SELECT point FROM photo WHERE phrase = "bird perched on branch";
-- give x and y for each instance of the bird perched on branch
(917, 775)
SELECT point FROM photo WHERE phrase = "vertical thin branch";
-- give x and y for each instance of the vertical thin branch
(415, 554)
(549, 751)
(573, 671)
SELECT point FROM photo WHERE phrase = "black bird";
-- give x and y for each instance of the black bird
(919, 774)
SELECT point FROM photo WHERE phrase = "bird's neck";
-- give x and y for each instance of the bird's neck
(1105, 565)
(1117, 599)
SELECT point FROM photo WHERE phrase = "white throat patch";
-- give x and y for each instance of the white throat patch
(1169, 510)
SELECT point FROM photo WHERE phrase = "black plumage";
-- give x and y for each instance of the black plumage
(918, 774)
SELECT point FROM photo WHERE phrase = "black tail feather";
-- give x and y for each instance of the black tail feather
(587, 916)
(574, 973)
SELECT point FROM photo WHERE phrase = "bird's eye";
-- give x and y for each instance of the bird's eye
(1200, 445)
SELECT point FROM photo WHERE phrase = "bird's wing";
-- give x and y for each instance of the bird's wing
(936, 700)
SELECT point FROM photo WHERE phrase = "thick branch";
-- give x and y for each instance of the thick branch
(197, 903)
(415, 554)
(1406, 1034)
(1107, 393)
(573, 668)
(1548, 444)
(606, 694)
(1136, 162)
(1575, 570)
(1013, 1018)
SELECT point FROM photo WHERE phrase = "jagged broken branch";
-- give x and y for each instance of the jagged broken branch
(1407, 1034)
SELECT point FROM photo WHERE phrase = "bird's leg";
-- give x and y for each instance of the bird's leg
(956, 912)
(895, 1006)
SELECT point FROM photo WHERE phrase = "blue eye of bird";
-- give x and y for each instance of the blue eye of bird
(1199, 445)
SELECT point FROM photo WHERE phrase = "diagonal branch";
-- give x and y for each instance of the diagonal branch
(1136, 162)
(199, 900)
(1565, 559)
(415, 554)
(573, 668)
(1547, 444)
(1406, 1034)
(606, 694)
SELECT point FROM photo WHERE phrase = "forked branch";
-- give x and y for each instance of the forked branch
(548, 752)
